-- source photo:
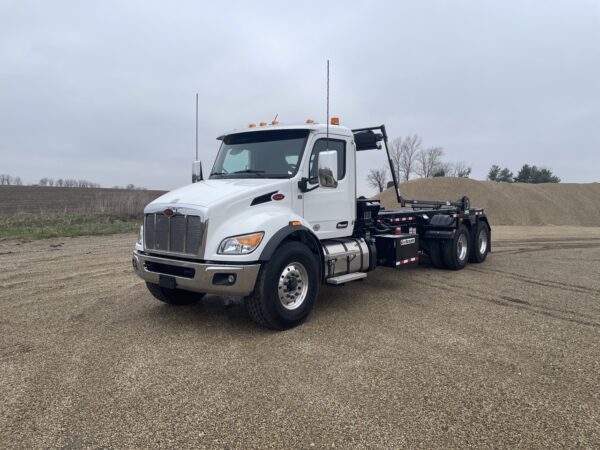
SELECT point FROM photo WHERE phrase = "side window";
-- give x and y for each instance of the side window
(321, 146)
(236, 159)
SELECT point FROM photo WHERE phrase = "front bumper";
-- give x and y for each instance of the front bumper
(197, 277)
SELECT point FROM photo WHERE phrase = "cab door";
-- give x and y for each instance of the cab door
(331, 211)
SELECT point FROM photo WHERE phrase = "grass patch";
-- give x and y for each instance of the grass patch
(48, 225)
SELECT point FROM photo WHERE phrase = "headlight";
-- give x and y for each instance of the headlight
(140, 240)
(240, 245)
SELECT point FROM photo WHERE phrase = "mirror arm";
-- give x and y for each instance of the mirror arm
(303, 185)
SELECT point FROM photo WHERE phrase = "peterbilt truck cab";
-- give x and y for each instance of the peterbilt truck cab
(278, 216)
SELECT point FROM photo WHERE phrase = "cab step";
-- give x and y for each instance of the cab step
(341, 279)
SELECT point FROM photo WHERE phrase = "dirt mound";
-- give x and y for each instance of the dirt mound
(511, 203)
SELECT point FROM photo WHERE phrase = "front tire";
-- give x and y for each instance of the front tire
(286, 288)
(175, 297)
(456, 250)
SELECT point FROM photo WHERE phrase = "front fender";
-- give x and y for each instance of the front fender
(270, 219)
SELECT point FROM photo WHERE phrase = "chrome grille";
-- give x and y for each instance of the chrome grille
(180, 234)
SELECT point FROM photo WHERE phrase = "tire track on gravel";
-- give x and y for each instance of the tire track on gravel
(569, 287)
(552, 245)
(504, 300)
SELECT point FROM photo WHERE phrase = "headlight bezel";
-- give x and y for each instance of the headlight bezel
(241, 244)
(140, 240)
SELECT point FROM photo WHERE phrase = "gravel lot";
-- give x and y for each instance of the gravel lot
(503, 354)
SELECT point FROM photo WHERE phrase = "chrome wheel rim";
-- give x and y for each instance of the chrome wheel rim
(292, 287)
(483, 242)
(462, 247)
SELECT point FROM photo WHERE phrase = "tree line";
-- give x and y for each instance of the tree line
(527, 174)
(410, 158)
(8, 180)
(68, 182)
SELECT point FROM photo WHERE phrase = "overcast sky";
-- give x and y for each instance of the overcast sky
(105, 90)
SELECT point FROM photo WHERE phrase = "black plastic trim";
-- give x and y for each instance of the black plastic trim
(285, 232)
(265, 198)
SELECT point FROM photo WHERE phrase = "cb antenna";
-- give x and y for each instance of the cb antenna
(196, 127)
(327, 104)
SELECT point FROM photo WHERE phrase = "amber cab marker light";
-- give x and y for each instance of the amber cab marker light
(262, 124)
(251, 125)
(335, 120)
(295, 223)
(309, 121)
(274, 122)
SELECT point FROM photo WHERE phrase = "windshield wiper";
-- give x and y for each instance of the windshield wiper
(218, 173)
(257, 172)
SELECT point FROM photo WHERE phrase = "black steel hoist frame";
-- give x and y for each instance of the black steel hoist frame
(368, 139)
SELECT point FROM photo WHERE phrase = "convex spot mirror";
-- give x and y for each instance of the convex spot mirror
(196, 171)
(328, 169)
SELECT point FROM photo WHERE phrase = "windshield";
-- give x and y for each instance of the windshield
(260, 154)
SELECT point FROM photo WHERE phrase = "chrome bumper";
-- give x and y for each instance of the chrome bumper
(203, 279)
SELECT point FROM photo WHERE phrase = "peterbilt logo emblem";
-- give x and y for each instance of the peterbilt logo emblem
(169, 212)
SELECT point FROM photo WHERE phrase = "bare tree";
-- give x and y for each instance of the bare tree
(60, 182)
(409, 150)
(5, 179)
(377, 178)
(396, 157)
(403, 153)
(17, 181)
(43, 182)
(461, 170)
(50, 181)
(429, 161)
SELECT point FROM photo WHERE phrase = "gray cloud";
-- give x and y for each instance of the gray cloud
(105, 90)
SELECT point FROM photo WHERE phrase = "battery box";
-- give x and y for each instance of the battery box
(397, 250)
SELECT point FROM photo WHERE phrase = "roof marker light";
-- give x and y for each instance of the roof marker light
(251, 125)
(335, 120)
(274, 122)
(262, 124)
(309, 121)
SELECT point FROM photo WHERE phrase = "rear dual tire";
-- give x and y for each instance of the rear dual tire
(455, 251)
(464, 247)
(480, 244)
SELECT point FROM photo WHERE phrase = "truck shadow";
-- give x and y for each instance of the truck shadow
(210, 312)
(228, 314)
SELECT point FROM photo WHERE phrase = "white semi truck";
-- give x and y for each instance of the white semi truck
(279, 216)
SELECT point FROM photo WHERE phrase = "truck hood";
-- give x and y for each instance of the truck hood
(210, 192)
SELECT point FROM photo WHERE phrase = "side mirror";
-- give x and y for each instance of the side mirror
(196, 171)
(328, 169)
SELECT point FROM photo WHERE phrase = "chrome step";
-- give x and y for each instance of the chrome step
(341, 279)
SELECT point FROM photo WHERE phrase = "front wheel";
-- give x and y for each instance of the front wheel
(286, 288)
(173, 296)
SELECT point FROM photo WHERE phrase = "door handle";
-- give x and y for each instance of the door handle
(342, 224)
